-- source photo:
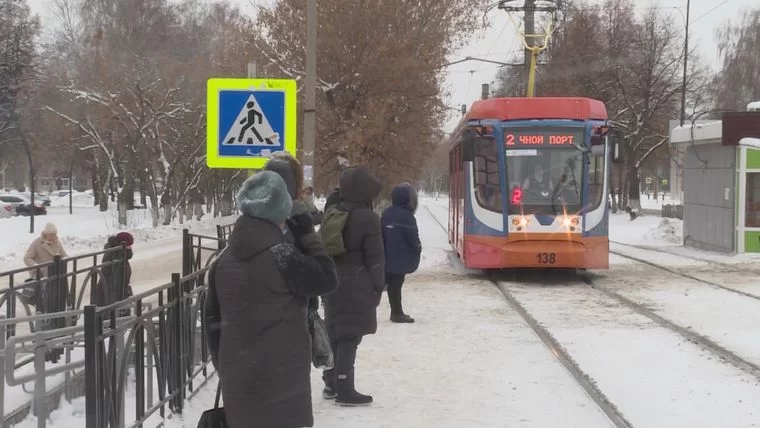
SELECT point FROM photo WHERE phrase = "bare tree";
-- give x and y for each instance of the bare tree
(379, 76)
(738, 82)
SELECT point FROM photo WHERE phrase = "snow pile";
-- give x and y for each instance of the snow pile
(669, 230)
(80, 200)
(649, 230)
(87, 230)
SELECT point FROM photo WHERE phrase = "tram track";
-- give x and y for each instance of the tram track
(585, 381)
(687, 275)
(563, 356)
(652, 249)
(692, 336)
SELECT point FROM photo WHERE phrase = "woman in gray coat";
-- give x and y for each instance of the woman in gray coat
(260, 286)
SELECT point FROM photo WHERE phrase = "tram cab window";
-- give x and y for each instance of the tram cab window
(549, 180)
(487, 181)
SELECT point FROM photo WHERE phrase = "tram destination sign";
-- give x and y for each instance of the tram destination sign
(542, 137)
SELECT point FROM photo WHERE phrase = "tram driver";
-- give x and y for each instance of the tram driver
(538, 183)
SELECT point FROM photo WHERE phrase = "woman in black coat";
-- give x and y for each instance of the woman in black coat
(351, 312)
(402, 244)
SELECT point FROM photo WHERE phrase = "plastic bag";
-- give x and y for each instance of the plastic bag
(321, 353)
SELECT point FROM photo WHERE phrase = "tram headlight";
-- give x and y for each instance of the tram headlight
(570, 221)
(520, 221)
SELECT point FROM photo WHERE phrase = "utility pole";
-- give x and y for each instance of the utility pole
(534, 43)
(309, 113)
(685, 64)
(530, 30)
(252, 75)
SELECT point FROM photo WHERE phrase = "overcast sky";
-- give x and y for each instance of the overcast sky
(499, 42)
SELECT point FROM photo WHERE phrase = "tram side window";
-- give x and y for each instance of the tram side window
(595, 182)
(487, 183)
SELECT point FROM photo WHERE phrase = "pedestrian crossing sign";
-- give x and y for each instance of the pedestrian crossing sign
(247, 120)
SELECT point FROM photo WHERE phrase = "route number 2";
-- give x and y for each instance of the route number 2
(546, 258)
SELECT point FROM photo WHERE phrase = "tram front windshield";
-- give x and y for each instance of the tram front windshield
(544, 180)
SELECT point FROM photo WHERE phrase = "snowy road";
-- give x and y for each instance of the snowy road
(654, 376)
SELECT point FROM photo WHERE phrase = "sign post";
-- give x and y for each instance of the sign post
(247, 120)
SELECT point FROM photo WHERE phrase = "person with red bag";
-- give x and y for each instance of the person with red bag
(110, 288)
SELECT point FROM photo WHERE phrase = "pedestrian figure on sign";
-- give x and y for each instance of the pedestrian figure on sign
(250, 122)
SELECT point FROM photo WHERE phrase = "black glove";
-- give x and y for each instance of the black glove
(300, 226)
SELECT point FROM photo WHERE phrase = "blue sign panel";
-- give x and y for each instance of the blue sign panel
(248, 120)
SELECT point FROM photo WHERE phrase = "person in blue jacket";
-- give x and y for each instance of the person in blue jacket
(402, 245)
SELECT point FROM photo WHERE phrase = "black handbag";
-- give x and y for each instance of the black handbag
(214, 418)
(321, 353)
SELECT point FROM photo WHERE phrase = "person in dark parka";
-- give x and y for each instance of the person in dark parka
(110, 288)
(260, 285)
(333, 198)
(351, 312)
(402, 244)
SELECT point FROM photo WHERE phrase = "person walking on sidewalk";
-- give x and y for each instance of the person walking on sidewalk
(403, 248)
(42, 250)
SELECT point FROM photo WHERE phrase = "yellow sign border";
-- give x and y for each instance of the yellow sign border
(214, 86)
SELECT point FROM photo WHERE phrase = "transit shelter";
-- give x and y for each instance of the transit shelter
(721, 183)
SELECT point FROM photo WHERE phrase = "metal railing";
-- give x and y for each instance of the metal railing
(672, 211)
(60, 285)
(158, 349)
(223, 232)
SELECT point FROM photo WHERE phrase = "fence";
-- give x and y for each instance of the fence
(150, 343)
(223, 232)
(60, 285)
(42, 304)
(672, 211)
(165, 343)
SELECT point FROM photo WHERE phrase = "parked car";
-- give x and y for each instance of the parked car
(7, 210)
(23, 205)
(38, 197)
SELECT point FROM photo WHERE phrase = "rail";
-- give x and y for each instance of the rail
(60, 285)
(150, 343)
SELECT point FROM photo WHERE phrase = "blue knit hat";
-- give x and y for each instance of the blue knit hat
(264, 195)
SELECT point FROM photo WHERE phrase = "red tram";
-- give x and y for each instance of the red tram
(527, 184)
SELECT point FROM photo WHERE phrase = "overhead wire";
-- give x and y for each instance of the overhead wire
(709, 11)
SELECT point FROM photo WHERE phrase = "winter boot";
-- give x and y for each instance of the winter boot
(329, 392)
(397, 311)
(347, 395)
(401, 318)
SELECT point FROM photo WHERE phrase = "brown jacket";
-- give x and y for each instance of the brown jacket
(351, 311)
(261, 283)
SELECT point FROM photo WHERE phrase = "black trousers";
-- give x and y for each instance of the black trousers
(344, 350)
(395, 282)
